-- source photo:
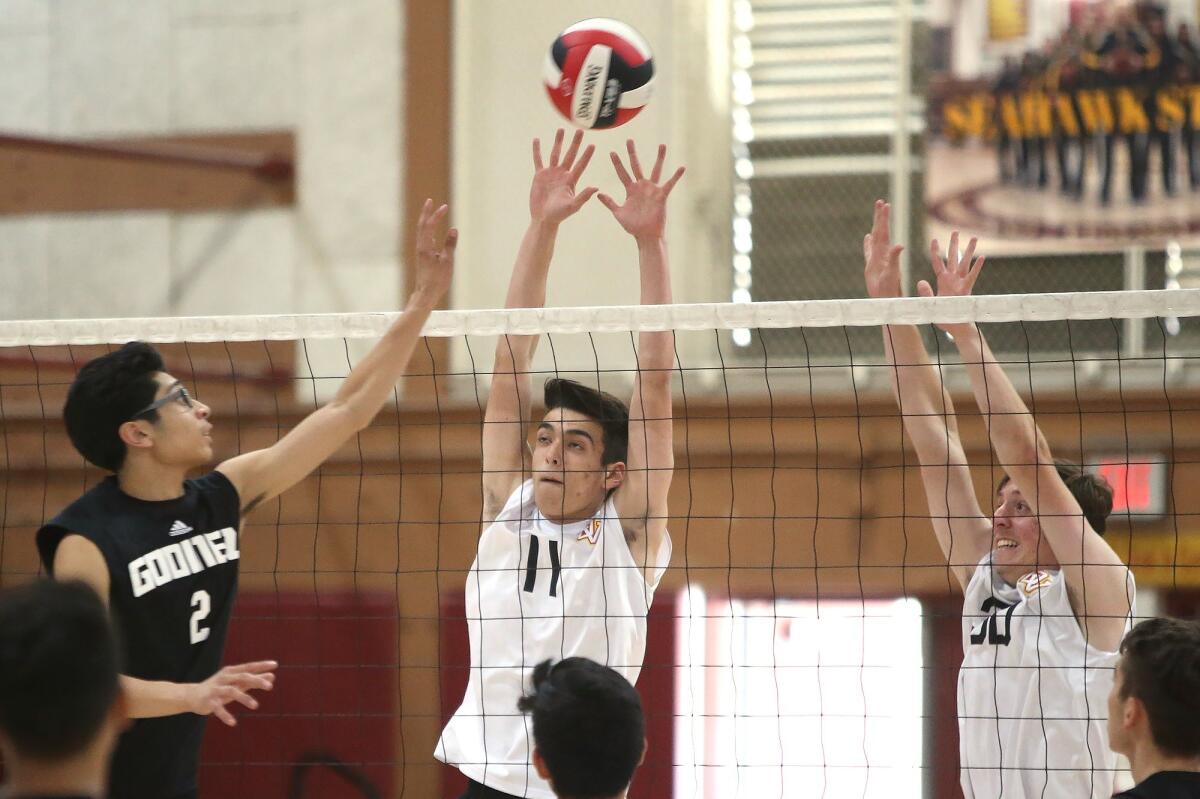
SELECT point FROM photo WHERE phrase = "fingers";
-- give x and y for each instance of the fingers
(670, 184)
(426, 242)
(894, 256)
(973, 275)
(622, 175)
(425, 235)
(867, 247)
(573, 150)
(582, 197)
(608, 202)
(538, 166)
(253, 682)
(924, 289)
(451, 242)
(656, 173)
(952, 255)
(262, 666)
(222, 713)
(634, 163)
(242, 698)
(935, 257)
(584, 160)
(882, 227)
(557, 149)
(968, 254)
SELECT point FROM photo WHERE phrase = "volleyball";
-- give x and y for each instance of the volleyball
(599, 73)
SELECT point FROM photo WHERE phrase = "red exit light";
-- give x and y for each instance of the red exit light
(1138, 483)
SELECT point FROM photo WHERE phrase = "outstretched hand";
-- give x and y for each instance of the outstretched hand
(231, 684)
(881, 258)
(434, 262)
(552, 197)
(644, 212)
(955, 274)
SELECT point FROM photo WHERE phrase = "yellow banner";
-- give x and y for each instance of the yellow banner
(1007, 20)
(1161, 559)
(1035, 114)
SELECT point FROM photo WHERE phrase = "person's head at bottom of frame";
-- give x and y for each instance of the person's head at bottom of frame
(61, 705)
(589, 732)
(1154, 703)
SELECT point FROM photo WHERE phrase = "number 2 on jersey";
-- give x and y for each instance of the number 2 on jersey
(203, 606)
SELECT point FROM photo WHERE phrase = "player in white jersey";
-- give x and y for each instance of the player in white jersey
(1046, 600)
(575, 537)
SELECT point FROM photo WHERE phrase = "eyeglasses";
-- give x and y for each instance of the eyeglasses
(179, 395)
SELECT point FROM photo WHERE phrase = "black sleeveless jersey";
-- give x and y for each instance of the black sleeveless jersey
(173, 569)
(1166, 785)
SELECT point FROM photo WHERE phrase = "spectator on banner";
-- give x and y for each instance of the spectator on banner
(1187, 70)
(1153, 707)
(1126, 56)
(1008, 122)
(1062, 84)
(61, 705)
(589, 732)
(1035, 124)
(1164, 123)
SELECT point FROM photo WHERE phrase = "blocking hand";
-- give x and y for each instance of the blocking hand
(552, 197)
(644, 213)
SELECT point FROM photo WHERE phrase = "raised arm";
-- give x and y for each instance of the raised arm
(77, 558)
(642, 499)
(1096, 577)
(552, 198)
(962, 530)
(265, 473)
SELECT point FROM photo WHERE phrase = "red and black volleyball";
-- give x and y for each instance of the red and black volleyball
(599, 73)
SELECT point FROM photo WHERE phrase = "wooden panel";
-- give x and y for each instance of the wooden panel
(181, 173)
(427, 137)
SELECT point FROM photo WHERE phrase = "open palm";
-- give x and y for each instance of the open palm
(552, 196)
(644, 212)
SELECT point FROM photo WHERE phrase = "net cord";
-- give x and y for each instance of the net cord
(617, 318)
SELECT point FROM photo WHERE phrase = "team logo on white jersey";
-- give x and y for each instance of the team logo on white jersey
(179, 528)
(1033, 582)
(592, 531)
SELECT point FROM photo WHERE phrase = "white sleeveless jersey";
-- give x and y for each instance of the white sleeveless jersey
(1032, 694)
(539, 590)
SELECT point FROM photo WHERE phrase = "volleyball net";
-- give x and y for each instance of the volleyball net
(806, 638)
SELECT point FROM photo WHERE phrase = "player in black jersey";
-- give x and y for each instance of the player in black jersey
(1153, 707)
(61, 707)
(164, 550)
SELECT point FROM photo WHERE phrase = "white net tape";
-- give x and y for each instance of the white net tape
(608, 319)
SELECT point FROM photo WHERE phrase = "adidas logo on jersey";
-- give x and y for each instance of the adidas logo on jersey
(179, 528)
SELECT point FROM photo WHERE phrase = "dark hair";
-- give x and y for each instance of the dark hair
(588, 725)
(607, 410)
(1091, 491)
(106, 393)
(59, 668)
(1160, 665)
